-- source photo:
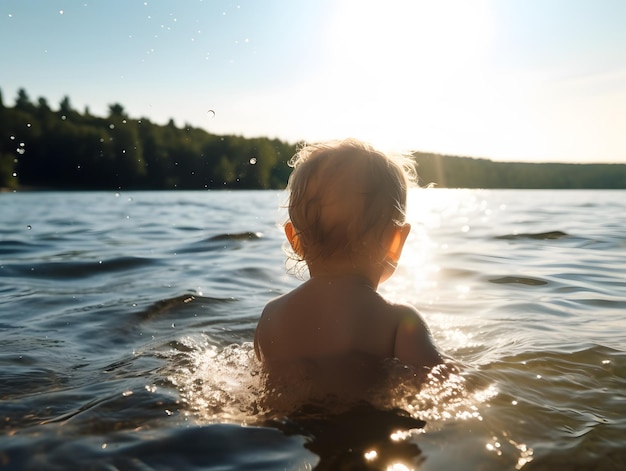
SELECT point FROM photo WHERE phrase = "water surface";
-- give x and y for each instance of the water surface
(126, 322)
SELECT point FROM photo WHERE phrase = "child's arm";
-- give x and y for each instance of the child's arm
(413, 344)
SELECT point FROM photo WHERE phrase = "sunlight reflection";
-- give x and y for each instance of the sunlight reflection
(401, 435)
(371, 455)
(444, 396)
(398, 467)
(496, 446)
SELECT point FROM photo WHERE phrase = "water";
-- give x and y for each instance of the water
(126, 322)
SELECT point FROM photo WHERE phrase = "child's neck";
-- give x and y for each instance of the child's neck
(368, 275)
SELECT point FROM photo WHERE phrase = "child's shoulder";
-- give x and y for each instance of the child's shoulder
(413, 343)
(403, 312)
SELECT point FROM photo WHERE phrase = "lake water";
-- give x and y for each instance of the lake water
(126, 322)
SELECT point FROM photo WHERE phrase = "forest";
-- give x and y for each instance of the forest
(64, 149)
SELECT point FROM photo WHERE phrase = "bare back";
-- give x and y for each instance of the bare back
(341, 328)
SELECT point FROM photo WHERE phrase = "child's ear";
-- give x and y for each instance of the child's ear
(292, 237)
(397, 242)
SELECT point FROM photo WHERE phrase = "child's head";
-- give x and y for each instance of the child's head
(344, 199)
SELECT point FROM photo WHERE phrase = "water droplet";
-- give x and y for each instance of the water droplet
(61, 12)
(21, 150)
(14, 174)
(12, 138)
(253, 161)
(28, 125)
(29, 227)
(111, 126)
(63, 117)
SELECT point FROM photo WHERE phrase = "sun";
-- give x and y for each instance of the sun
(392, 65)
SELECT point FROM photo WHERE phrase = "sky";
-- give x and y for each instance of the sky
(507, 80)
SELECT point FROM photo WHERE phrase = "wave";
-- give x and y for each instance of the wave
(13, 247)
(76, 270)
(524, 280)
(220, 242)
(173, 305)
(237, 236)
(550, 235)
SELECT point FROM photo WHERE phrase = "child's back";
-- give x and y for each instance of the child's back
(347, 224)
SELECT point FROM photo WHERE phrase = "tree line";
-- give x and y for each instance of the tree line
(463, 172)
(65, 149)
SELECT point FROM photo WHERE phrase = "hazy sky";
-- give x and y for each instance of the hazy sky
(535, 80)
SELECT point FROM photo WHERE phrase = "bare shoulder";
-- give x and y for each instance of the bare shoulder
(267, 323)
(280, 317)
(413, 343)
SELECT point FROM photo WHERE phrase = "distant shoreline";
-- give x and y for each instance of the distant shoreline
(46, 150)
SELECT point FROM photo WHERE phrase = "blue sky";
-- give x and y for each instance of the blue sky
(522, 80)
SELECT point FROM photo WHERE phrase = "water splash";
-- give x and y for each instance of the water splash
(218, 386)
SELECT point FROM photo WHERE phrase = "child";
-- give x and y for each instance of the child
(347, 206)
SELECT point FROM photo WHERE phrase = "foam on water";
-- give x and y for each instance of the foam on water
(217, 384)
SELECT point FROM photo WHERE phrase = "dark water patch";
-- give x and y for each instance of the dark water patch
(179, 305)
(237, 236)
(117, 406)
(519, 280)
(18, 247)
(215, 317)
(98, 408)
(20, 379)
(77, 270)
(549, 235)
(220, 242)
(196, 448)
(359, 437)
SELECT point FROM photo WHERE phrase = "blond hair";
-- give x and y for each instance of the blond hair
(344, 196)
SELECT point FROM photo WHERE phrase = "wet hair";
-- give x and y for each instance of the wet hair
(344, 196)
